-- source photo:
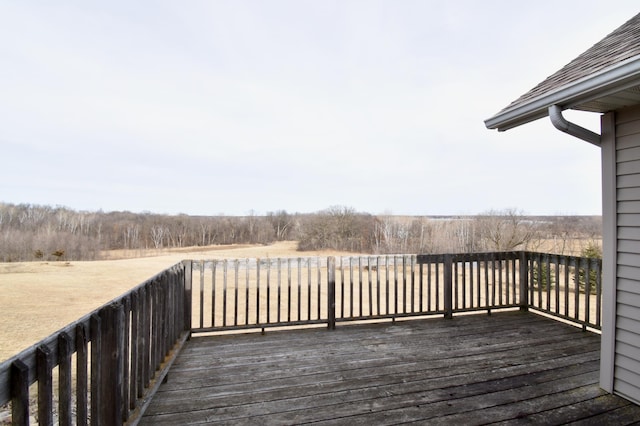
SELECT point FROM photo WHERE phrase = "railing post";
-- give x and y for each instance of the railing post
(65, 378)
(188, 265)
(82, 376)
(111, 365)
(96, 370)
(331, 293)
(19, 393)
(524, 281)
(44, 365)
(448, 286)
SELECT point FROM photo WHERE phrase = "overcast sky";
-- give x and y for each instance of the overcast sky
(237, 107)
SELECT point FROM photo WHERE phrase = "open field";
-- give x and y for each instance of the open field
(39, 298)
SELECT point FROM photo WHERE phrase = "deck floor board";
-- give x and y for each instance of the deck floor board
(507, 368)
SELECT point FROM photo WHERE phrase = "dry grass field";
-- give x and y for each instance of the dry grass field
(39, 298)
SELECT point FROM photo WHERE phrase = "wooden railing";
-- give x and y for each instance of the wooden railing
(261, 293)
(110, 362)
(566, 287)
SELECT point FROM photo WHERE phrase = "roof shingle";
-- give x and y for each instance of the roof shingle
(621, 44)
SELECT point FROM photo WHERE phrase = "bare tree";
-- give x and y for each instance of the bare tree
(338, 228)
(282, 223)
(504, 230)
(32, 232)
(158, 233)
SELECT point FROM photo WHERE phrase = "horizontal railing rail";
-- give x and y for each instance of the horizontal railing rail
(108, 363)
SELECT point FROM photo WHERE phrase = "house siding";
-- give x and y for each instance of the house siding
(626, 380)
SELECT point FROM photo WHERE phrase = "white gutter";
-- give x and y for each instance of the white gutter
(621, 76)
(560, 123)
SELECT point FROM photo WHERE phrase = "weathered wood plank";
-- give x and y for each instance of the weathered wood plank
(96, 360)
(111, 364)
(372, 356)
(626, 414)
(470, 369)
(372, 352)
(483, 409)
(45, 385)
(383, 408)
(82, 376)
(376, 347)
(19, 393)
(356, 387)
(65, 379)
(610, 406)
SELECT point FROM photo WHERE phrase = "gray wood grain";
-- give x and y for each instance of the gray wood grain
(472, 369)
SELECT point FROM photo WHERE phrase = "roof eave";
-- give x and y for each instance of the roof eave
(619, 77)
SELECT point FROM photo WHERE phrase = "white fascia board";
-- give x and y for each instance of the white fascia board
(619, 77)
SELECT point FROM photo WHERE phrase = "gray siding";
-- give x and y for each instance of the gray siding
(627, 329)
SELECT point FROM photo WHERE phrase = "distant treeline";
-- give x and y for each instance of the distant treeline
(34, 232)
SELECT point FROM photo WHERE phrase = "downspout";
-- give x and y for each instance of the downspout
(555, 114)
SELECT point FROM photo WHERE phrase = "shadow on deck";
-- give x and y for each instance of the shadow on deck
(509, 367)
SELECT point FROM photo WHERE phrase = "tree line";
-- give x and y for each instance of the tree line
(36, 232)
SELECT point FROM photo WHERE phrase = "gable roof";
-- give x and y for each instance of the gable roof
(605, 77)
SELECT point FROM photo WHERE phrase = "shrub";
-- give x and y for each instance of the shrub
(592, 251)
(58, 254)
(542, 275)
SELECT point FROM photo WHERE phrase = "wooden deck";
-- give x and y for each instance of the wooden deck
(507, 368)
